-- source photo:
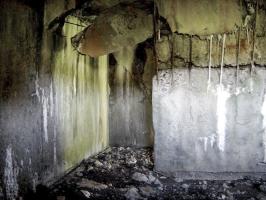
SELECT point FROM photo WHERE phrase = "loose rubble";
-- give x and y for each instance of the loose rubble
(127, 173)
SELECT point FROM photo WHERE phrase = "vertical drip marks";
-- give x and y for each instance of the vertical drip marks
(51, 99)
(155, 30)
(254, 40)
(47, 103)
(45, 117)
(222, 59)
(159, 31)
(222, 97)
(190, 59)
(263, 112)
(237, 59)
(210, 63)
(10, 176)
(55, 152)
(172, 58)
(247, 33)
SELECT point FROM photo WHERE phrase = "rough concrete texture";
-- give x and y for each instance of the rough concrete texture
(53, 103)
(114, 29)
(215, 130)
(130, 118)
(201, 17)
(200, 49)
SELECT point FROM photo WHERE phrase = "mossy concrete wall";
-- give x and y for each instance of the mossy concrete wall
(80, 89)
(53, 101)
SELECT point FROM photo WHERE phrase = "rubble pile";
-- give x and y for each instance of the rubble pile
(127, 173)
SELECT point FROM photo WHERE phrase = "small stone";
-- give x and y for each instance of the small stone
(263, 188)
(261, 196)
(157, 182)
(132, 160)
(60, 198)
(92, 184)
(225, 186)
(140, 177)
(121, 148)
(1, 193)
(132, 194)
(79, 174)
(97, 163)
(86, 193)
(204, 187)
(90, 168)
(179, 180)
(151, 178)
(223, 196)
(185, 186)
(147, 191)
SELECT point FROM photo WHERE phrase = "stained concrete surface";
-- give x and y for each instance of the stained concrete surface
(201, 17)
(215, 130)
(130, 108)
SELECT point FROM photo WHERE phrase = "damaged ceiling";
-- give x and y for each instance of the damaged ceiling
(115, 24)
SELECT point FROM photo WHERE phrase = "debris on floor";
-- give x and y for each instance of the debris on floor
(127, 173)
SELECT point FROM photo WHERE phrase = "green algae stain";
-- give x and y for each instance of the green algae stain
(81, 93)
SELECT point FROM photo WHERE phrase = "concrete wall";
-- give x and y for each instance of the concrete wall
(130, 114)
(53, 102)
(220, 129)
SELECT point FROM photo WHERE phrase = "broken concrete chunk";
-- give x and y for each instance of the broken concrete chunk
(86, 193)
(140, 177)
(132, 194)
(92, 184)
(114, 29)
(201, 17)
(147, 191)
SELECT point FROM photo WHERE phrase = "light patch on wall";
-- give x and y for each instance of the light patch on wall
(222, 97)
(45, 117)
(10, 176)
(263, 112)
(47, 102)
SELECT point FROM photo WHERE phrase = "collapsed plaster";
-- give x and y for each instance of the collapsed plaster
(118, 27)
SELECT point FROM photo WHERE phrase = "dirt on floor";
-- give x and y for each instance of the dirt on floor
(127, 173)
